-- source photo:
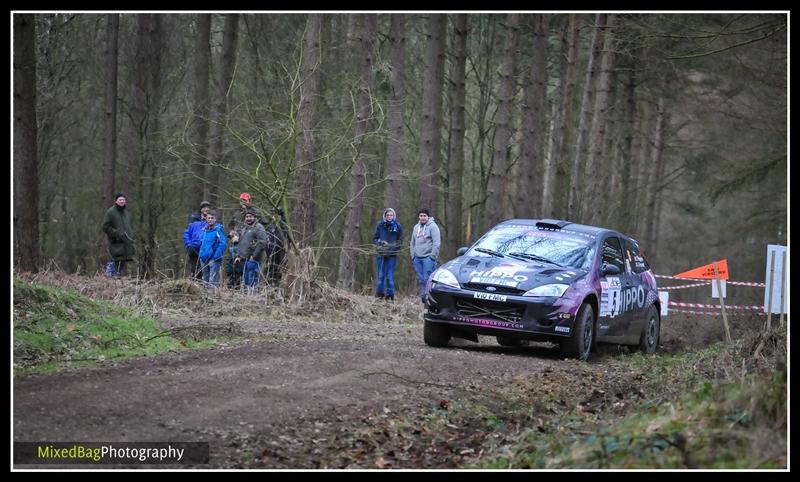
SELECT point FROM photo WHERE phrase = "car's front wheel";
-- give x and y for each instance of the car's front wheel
(435, 334)
(648, 343)
(580, 343)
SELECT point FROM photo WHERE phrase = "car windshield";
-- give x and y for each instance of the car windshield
(539, 246)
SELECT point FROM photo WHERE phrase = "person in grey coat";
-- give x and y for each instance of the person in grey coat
(251, 246)
(425, 242)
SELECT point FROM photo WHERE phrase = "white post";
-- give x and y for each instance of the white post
(769, 294)
(783, 285)
(722, 303)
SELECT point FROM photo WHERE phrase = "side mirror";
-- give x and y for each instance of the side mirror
(610, 269)
(462, 250)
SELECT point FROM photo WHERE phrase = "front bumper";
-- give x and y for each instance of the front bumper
(518, 316)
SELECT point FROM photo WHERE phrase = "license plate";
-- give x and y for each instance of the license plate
(490, 296)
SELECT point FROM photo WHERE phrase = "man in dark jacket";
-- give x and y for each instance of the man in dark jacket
(278, 241)
(251, 246)
(388, 238)
(118, 226)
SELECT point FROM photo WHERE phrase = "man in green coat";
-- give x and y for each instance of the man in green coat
(118, 227)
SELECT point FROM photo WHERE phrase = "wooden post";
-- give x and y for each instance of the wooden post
(769, 292)
(783, 285)
(722, 303)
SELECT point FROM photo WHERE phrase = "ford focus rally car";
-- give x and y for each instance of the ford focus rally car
(546, 280)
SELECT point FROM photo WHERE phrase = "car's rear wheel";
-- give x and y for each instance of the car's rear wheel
(648, 343)
(506, 341)
(435, 334)
(580, 343)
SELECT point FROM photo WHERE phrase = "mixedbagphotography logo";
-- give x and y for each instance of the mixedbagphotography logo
(144, 453)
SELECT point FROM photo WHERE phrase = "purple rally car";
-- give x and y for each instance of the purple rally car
(546, 280)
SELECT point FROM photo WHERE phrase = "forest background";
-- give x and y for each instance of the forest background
(669, 127)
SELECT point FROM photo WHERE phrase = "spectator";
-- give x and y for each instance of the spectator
(244, 206)
(388, 238)
(212, 249)
(192, 238)
(118, 226)
(252, 245)
(425, 243)
(233, 270)
(277, 238)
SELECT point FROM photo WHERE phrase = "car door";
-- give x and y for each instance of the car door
(612, 322)
(636, 266)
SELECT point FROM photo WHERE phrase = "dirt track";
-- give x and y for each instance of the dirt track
(300, 378)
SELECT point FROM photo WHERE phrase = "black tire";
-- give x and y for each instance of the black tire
(506, 341)
(435, 334)
(580, 344)
(651, 333)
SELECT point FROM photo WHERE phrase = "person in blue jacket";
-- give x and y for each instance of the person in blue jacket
(192, 238)
(211, 250)
(388, 238)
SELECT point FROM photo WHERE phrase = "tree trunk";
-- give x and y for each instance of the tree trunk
(643, 180)
(147, 198)
(655, 177)
(496, 190)
(485, 67)
(198, 183)
(534, 125)
(110, 153)
(455, 161)
(430, 125)
(220, 110)
(306, 149)
(598, 173)
(395, 124)
(26, 202)
(556, 202)
(365, 31)
(577, 172)
(611, 160)
(627, 171)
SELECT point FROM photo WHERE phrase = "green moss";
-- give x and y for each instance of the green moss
(55, 329)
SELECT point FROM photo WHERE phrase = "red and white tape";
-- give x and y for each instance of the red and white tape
(729, 307)
(705, 281)
(709, 313)
(747, 283)
(678, 287)
(712, 313)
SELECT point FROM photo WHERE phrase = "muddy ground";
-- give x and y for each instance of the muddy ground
(279, 399)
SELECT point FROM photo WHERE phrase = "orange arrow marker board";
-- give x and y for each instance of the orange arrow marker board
(707, 271)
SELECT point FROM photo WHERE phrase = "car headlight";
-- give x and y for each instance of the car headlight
(555, 290)
(445, 277)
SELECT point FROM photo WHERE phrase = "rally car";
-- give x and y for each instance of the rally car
(546, 280)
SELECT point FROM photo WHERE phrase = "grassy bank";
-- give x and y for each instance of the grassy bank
(55, 328)
(733, 423)
(724, 406)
